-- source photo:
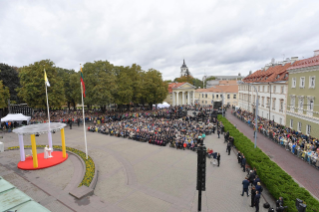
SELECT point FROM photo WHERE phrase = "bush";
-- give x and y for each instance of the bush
(89, 164)
(277, 181)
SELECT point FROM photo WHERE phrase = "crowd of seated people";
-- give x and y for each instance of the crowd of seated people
(303, 146)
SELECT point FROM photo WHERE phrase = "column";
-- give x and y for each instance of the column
(193, 94)
(34, 151)
(188, 98)
(183, 98)
(21, 145)
(63, 143)
(177, 97)
(173, 96)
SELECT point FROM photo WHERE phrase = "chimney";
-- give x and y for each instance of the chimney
(293, 59)
(316, 53)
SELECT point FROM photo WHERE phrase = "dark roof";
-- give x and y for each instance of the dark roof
(184, 65)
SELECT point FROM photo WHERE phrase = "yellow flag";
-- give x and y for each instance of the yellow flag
(46, 79)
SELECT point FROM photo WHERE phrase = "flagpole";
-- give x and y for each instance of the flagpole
(85, 142)
(46, 93)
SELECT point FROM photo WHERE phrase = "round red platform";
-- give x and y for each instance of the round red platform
(42, 163)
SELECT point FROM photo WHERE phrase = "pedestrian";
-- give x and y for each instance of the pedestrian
(239, 157)
(70, 122)
(245, 186)
(228, 147)
(218, 159)
(256, 180)
(243, 163)
(259, 188)
(218, 132)
(253, 194)
(78, 120)
(256, 201)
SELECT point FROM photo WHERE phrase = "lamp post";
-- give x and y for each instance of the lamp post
(269, 100)
(256, 118)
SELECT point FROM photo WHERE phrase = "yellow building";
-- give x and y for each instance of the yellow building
(226, 90)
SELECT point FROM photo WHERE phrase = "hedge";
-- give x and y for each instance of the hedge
(277, 181)
(89, 164)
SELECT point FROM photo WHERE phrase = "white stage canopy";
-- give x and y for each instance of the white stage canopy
(163, 105)
(19, 117)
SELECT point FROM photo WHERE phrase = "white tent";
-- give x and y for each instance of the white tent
(19, 117)
(163, 105)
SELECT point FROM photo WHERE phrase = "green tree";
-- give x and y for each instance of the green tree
(100, 83)
(4, 95)
(125, 90)
(155, 90)
(32, 90)
(10, 78)
(197, 83)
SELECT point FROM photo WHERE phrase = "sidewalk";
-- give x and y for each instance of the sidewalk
(304, 174)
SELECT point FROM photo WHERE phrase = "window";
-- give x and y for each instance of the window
(292, 104)
(312, 81)
(205, 95)
(274, 88)
(310, 107)
(217, 96)
(281, 105)
(263, 88)
(268, 102)
(308, 129)
(259, 88)
(258, 100)
(213, 96)
(301, 105)
(282, 89)
(228, 96)
(202, 95)
(293, 82)
(291, 123)
(234, 97)
(263, 101)
(302, 82)
(274, 103)
(203, 102)
(299, 127)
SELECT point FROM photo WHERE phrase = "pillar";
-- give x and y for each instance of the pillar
(21, 145)
(173, 96)
(183, 98)
(177, 97)
(63, 143)
(50, 140)
(34, 151)
(188, 98)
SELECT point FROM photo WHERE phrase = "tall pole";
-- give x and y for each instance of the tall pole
(46, 92)
(223, 104)
(256, 117)
(85, 142)
(269, 100)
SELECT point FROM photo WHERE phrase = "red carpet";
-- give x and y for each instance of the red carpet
(42, 163)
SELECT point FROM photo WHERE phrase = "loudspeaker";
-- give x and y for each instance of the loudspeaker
(302, 207)
(298, 202)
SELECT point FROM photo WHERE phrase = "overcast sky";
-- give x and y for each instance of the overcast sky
(215, 37)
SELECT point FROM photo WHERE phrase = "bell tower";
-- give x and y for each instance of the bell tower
(184, 69)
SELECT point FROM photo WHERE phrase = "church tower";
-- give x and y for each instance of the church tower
(184, 69)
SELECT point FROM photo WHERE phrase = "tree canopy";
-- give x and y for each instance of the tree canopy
(10, 79)
(4, 95)
(32, 90)
(191, 80)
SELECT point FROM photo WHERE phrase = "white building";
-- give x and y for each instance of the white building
(271, 83)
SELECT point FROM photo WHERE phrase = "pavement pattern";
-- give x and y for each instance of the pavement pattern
(303, 173)
(133, 177)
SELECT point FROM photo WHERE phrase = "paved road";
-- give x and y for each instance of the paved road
(304, 174)
(133, 177)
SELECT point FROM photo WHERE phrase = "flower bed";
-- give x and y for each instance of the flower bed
(277, 181)
(89, 164)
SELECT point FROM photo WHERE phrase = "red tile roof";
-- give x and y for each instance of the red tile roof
(312, 61)
(174, 85)
(272, 74)
(220, 89)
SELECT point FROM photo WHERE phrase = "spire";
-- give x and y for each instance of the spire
(184, 65)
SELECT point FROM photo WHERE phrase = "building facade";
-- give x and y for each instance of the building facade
(271, 84)
(226, 92)
(180, 94)
(303, 95)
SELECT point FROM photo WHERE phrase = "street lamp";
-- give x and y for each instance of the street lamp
(256, 112)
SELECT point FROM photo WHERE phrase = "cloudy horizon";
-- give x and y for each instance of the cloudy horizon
(214, 37)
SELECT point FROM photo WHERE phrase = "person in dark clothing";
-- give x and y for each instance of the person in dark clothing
(239, 156)
(256, 201)
(280, 202)
(243, 163)
(253, 194)
(256, 180)
(70, 123)
(245, 186)
(259, 188)
(218, 132)
(251, 177)
(78, 120)
(218, 159)
(228, 147)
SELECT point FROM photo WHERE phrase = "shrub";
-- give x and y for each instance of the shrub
(277, 181)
